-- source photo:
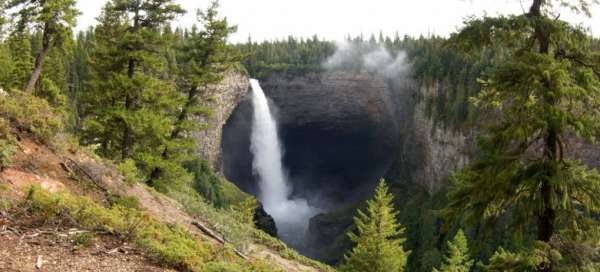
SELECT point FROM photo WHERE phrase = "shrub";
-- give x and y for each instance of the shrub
(7, 145)
(130, 202)
(84, 239)
(32, 114)
(130, 172)
(171, 245)
(7, 151)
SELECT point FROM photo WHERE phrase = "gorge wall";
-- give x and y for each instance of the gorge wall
(337, 130)
(222, 99)
(341, 131)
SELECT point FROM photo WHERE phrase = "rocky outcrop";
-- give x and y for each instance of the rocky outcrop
(264, 221)
(222, 100)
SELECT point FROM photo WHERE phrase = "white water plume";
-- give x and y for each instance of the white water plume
(290, 215)
(369, 57)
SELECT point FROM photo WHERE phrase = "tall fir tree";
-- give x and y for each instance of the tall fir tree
(54, 18)
(205, 56)
(540, 97)
(378, 237)
(19, 45)
(129, 77)
(457, 258)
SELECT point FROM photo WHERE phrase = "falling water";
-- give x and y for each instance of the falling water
(290, 215)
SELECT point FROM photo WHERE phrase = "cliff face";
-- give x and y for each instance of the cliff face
(337, 131)
(222, 99)
(442, 149)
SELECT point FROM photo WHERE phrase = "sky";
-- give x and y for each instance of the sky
(335, 19)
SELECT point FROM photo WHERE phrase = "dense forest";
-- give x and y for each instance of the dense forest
(130, 90)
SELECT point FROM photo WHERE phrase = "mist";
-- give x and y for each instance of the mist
(372, 58)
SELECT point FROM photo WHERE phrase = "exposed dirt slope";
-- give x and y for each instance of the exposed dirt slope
(81, 174)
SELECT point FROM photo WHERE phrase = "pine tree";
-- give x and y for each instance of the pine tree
(19, 45)
(457, 258)
(378, 237)
(205, 57)
(537, 99)
(55, 18)
(131, 108)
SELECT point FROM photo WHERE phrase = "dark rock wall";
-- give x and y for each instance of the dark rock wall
(338, 130)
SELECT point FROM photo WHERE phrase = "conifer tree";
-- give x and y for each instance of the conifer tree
(19, 45)
(204, 56)
(541, 95)
(131, 109)
(54, 18)
(457, 258)
(378, 237)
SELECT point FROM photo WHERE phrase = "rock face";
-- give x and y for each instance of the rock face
(264, 221)
(443, 150)
(222, 99)
(337, 131)
(341, 132)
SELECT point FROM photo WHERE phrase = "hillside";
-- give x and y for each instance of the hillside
(48, 183)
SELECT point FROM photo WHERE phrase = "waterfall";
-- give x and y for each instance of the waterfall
(290, 215)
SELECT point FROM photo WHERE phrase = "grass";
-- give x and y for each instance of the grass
(170, 245)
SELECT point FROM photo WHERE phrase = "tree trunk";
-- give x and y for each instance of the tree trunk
(129, 98)
(548, 214)
(39, 60)
(128, 132)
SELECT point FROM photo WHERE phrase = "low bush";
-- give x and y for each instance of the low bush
(7, 144)
(85, 239)
(170, 245)
(130, 172)
(32, 114)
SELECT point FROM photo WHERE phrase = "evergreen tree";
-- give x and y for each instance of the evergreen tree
(141, 42)
(131, 107)
(55, 19)
(19, 45)
(378, 237)
(457, 258)
(205, 57)
(537, 98)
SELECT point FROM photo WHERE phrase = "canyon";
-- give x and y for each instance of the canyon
(340, 131)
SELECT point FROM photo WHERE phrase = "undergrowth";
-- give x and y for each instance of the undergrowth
(170, 245)
(32, 114)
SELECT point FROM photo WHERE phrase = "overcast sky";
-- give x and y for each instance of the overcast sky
(334, 19)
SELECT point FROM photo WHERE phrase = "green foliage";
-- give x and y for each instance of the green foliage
(7, 151)
(534, 259)
(290, 56)
(84, 239)
(32, 114)
(171, 246)
(7, 144)
(378, 237)
(55, 19)
(127, 77)
(245, 210)
(129, 202)
(457, 258)
(129, 171)
(534, 99)
(216, 190)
